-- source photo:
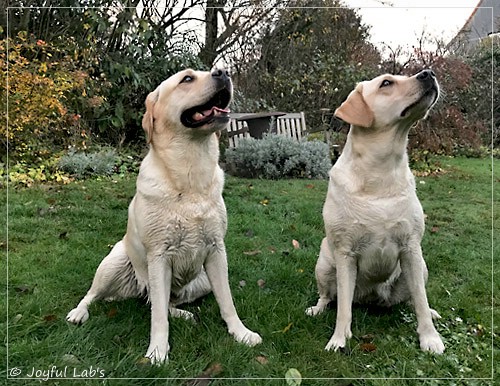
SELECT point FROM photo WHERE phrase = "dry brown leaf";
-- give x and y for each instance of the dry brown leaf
(367, 347)
(50, 318)
(296, 244)
(262, 359)
(261, 283)
(206, 376)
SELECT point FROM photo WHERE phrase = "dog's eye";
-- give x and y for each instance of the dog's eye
(385, 83)
(187, 79)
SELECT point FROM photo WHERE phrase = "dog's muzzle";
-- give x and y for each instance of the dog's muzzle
(216, 108)
(429, 91)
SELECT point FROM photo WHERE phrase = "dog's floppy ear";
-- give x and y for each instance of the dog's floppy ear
(354, 109)
(148, 119)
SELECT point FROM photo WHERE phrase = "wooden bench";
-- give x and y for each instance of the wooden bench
(292, 125)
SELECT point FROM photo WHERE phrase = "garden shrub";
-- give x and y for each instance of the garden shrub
(277, 156)
(41, 79)
(80, 165)
(26, 175)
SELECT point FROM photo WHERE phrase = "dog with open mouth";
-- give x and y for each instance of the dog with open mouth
(173, 251)
(374, 221)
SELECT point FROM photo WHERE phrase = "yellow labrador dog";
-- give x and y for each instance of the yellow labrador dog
(373, 219)
(173, 250)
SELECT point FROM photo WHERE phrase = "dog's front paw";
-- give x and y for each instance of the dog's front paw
(337, 340)
(335, 343)
(247, 337)
(157, 353)
(432, 342)
(78, 315)
(314, 310)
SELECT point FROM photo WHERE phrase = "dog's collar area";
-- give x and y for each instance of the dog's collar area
(214, 109)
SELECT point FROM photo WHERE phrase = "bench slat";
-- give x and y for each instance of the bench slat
(291, 125)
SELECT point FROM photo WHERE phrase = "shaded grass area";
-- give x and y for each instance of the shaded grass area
(59, 234)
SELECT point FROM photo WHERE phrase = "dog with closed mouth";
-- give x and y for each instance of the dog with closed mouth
(173, 251)
(373, 219)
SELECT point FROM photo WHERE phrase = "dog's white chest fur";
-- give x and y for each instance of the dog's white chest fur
(192, 226)
(372, 223)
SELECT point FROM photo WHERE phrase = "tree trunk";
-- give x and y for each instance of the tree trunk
(208, 53)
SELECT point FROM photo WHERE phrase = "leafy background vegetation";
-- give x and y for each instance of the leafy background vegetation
(78, 76)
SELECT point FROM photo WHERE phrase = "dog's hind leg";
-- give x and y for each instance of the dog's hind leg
(195, 289)
(326, 280)
(114, 279)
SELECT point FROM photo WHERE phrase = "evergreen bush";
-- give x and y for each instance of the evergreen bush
(277, 156)
(100, 163)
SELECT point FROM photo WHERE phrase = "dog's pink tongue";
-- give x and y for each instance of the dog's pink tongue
(198, 116)
(224, 111)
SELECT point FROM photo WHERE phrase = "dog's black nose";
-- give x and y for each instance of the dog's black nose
(221, 73)
(426, 74)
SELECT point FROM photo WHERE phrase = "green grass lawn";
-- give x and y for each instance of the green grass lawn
(57, 235)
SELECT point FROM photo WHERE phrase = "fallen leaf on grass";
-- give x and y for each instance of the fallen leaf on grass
(262, 359)
(264, 202)
(296, 244)
(367, 347)
(112, 313)
(287, 328)
(434, 229)
(70, 359)
(144, 361)
(310, 186)
(205, 378)
(477, 330)
(252, 253)
(50, 318)
(293, 377)
(242, 283)
(261, 283)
